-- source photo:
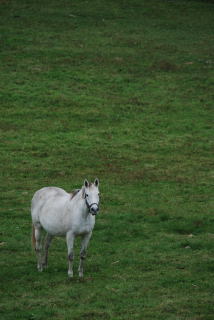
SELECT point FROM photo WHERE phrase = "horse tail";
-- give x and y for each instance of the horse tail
(33, 237)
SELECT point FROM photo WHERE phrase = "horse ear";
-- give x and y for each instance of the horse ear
(86, 183)
(96, 182)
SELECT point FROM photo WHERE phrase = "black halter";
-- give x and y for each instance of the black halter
(90, 205)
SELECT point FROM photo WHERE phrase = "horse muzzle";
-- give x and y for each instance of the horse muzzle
(94, 208)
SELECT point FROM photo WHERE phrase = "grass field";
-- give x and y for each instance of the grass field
(121, 90)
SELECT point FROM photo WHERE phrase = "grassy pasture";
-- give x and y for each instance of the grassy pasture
(122, 90)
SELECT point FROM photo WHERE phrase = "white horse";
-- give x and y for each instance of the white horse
(63, 214)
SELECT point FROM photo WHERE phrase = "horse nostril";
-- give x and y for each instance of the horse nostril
(94, 210)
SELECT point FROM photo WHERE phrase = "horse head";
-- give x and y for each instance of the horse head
(91, 196)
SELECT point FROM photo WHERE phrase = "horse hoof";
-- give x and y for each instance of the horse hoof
(40, 269)
(70, 274)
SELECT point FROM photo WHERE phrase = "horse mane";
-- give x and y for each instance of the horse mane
(74, 193)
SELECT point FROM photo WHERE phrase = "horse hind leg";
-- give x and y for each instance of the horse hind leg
(38, 245)
(47, 244)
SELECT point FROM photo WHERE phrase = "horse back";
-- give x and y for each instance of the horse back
(45, 196)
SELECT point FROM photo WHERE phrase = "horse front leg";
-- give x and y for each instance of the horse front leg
(70, 244)
(84, 246)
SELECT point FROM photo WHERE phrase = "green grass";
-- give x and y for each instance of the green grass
(121, 90)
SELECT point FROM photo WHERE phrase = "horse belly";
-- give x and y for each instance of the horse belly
(53, 223)
(52, 216)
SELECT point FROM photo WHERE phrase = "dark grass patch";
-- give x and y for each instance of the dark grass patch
(164, 66)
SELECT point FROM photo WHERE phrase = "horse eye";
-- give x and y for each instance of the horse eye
(86, 195)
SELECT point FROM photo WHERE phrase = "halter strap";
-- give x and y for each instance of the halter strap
(90, 205)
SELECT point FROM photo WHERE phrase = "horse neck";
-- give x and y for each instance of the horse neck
(81, 204)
